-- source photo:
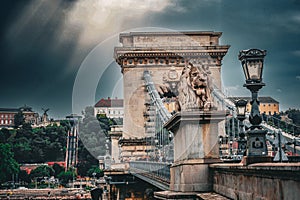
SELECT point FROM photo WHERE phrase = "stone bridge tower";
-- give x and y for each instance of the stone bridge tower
(164, 54)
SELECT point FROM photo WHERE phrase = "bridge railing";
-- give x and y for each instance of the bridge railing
(277, 123)
(156, 170)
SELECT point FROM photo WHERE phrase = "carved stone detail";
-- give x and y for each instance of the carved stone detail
(194, 88)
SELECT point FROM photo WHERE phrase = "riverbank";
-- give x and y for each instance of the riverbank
(39, 194)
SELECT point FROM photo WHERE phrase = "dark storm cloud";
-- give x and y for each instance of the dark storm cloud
(270, 25)
(44, 42)
(33, 63)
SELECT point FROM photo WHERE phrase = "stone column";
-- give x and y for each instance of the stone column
(196, 145)
(115, 134)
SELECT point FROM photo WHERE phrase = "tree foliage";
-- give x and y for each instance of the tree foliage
(8, 164)
(95, 169)
(44, 144)
(57, 169)
(67, 176)
(294, 114)
(19, 119)
(24, 176)
(42, 171)
(5, 134)
(39, 145)
(85, 160)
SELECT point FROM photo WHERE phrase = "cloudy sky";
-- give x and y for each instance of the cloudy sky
(46, 45)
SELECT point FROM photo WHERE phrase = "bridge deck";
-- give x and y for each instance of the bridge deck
(188, 196)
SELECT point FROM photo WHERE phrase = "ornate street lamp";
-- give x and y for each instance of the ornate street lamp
(252, 62)
(241, 111)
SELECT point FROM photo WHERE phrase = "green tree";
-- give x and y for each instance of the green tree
(22, 149)
(56, 142)
(5, 134)
(32, 145)
(8, 165)
(95, 169)
(65, 177)
(86, 160)
(42, 171)
(23, 176)
(19, 119)
(294, 114)
(66, 124)
(57, 169)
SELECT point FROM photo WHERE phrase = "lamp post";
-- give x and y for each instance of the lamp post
(241, 110)
(94, 178)
(220, 145)
(252, 63)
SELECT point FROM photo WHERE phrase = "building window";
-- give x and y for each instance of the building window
(6, 121)
(10, 121)
(1, 121)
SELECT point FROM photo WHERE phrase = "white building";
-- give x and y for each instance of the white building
(113, 108)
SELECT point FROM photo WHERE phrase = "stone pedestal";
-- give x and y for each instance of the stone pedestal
(196, 145)
(115, 134)
(256, 143)
(191, 176)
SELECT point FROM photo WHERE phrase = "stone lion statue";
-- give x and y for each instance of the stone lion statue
(194, 89)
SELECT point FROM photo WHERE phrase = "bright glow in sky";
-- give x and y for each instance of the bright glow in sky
(102, 17)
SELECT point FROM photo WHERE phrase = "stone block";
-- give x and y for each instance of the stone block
(196, 134)
(189, 177)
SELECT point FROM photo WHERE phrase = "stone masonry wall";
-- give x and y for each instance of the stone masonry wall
(262, 181)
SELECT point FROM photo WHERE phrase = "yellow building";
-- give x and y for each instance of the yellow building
(267, 105)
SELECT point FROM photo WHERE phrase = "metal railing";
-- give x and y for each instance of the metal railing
(154, 170)
(277, 123)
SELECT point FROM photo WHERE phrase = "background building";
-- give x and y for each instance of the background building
(7, 116)
(112, 108)
(267, 105)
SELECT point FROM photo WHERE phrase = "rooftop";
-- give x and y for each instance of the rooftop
(9, 109)
(109, 102)
(260, 99)
(167, 33)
